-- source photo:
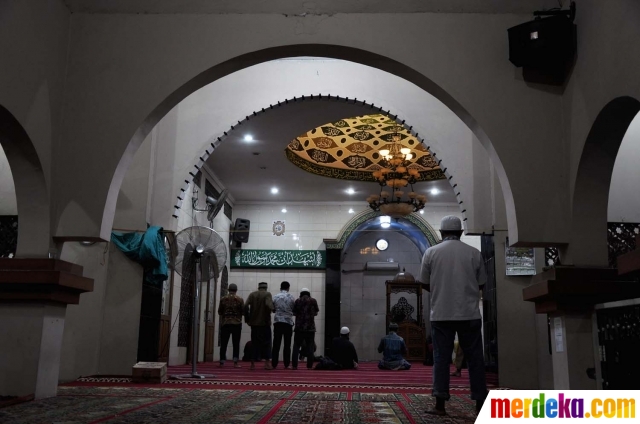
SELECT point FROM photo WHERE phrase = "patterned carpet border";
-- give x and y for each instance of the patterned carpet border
(123, 380)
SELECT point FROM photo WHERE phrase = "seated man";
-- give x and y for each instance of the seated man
(343, 352)
(392, 348)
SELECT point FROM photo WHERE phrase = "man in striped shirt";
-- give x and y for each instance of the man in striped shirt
(282, 325)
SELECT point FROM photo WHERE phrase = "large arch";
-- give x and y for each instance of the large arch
(304, 113)
(591, 194)
(315, 50)
(32, 197)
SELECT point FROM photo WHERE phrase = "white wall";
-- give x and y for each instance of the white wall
(624, 201)
(8, 205)
(363, 296)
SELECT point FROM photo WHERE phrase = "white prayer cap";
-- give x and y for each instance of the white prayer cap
(305, 290)
(344, 330)
(450, 223)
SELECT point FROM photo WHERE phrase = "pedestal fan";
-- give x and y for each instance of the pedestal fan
(196, 248)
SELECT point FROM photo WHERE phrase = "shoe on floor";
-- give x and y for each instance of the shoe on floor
(456, 374)
(236, 365)
(268, 366)
(253, 366)
(435, 411)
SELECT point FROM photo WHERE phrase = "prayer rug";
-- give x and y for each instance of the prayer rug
(158, 405)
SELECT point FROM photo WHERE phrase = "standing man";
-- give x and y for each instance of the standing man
(257, 313)
(455, 274)
(282, 324)
(305, 309)
(230, 311)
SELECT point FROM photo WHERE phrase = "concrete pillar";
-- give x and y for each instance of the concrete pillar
(30, 355)
(517, 327)
(34, 294)
(572, 351)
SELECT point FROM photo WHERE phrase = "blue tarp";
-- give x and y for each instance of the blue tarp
(148, 250)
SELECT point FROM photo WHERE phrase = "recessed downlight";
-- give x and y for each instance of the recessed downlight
(248, 137)
(274, 190)
(350, 191)
(284, 210)
(435, 191)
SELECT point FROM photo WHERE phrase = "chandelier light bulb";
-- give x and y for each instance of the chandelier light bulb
(405, 151)
(384, 153)
(409, 156)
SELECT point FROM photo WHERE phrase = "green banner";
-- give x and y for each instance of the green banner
(306, 259)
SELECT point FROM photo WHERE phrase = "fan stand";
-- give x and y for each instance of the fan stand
(197, 253)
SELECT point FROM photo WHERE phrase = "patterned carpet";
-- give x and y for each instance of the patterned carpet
(95, 404)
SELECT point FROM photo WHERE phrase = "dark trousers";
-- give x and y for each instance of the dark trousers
(230, 330)
(298, 339)
(261, 341)
(470, 339)
(280, 330)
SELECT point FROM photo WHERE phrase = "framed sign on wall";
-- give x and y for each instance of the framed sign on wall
(254, 258)
(519, 260)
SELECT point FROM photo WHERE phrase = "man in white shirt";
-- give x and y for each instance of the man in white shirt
(455, 274)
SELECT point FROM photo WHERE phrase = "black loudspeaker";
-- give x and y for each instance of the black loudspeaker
(545, 48)
(241, 230)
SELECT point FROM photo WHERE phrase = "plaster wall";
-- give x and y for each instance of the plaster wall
(363, 296)
(624, 203)
(484, 84)
(121, 315)
(8, 205)
(31, 85)
(606, 68)
(83, 325)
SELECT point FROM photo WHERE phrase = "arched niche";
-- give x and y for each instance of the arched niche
(588, 245)
(32, 197)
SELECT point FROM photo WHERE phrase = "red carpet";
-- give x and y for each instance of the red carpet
(416, 380)
(367, 374)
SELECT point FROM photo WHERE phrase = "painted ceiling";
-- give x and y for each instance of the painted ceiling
(348, 149)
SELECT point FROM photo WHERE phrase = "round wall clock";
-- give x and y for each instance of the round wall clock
(382, 244)
(278, 228)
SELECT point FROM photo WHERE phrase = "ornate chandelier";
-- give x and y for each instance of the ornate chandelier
(396, 175)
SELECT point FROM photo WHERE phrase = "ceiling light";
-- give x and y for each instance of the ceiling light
(350, 191)
(385, 221)
(351, 210)
(284, 210)
(248, 137)
(421, 212)
(274, 190)
(396, 173)
(435, 191)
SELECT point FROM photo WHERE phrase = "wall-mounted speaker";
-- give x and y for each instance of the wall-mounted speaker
(241, 230)
(546, 47)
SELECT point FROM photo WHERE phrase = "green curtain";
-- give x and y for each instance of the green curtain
(148, 250)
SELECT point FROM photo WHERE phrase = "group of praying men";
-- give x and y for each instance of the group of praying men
(257, 312)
